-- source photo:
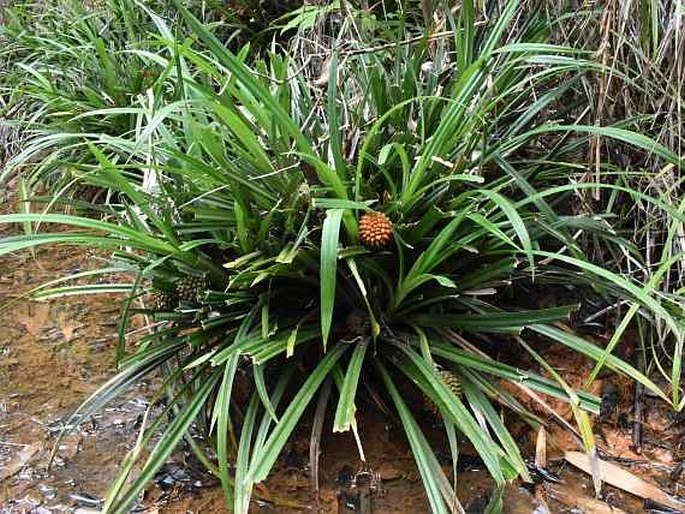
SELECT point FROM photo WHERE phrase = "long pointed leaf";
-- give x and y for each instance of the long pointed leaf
(329, 268)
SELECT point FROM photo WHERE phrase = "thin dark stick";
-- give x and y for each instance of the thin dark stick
(317, 429)
(637, 406)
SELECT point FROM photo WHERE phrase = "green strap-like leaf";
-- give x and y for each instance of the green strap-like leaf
(329, 268)
(344, 414)
(498, 369)
(596, 353)
(241, 499)
(498, 321)
(272, 448)
(429, 468)
(479, 402)
(167, 444)
(244, 486)
(427, 378)
(222, 414)
(517, 223)
(258, 372)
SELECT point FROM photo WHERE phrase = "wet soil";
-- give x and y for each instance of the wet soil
(55, 353)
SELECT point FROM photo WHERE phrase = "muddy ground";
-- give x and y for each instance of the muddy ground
(54, 353)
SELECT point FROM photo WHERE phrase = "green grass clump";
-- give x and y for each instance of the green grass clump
(236, 203)
(640, 87)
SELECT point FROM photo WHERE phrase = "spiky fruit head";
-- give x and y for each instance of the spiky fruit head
(451, 381)
(191, 289)
(375, 230)
(453, 384)
(161, 300)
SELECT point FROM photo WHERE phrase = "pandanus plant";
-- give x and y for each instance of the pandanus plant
(308, 235)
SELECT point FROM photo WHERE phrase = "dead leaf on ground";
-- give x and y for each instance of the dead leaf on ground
(20, 460)
(619, 477)
(569, 496)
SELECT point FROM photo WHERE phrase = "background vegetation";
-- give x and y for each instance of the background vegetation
(225, 159)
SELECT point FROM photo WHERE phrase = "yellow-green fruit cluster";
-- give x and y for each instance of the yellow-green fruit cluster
(163, 300)
(191, 289)
(451, 381)
(453, 384)
(375, 230)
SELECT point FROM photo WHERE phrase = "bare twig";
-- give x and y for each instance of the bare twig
(315, 439)
(637, 406)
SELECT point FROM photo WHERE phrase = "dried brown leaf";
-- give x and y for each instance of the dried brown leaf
(20, 460)
(619, 477)
(541, 448)
(570, 497)
(322, 80)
